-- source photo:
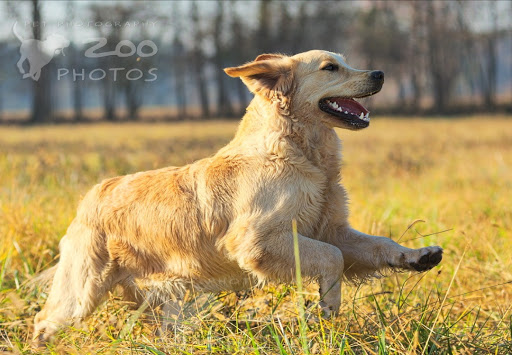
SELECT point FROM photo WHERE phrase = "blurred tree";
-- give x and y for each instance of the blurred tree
(179, 62)
(415, 63)
(263, 43)
(75, 62)
(134, 89)
(179, 70)
(470, 61)
(298, 33)
(224, 108)
(283, 36)
(490, 65)
(238, 52)
(431, 51)
(383, 44)
(42, 99)
(380, 38)
(119, 82)
(198, 60)
(337, 19)
(444, 50)
(4, 48)
(101, 13)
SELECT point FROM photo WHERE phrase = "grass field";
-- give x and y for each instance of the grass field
(453, 175)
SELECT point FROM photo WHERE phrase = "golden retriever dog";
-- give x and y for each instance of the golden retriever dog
(225, 222)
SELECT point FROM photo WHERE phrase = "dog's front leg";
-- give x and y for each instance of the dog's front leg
(270, 256)
(366, 255)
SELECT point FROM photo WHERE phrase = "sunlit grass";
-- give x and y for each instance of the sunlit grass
(454, 175)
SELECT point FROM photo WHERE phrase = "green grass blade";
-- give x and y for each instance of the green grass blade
(300, 291)
(253, 340)
(150, 349)
(282, 351)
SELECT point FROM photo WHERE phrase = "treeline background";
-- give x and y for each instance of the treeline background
(440, 56)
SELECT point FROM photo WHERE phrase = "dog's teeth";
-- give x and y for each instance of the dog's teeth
(361, 116)
(335, 105)
(340, 109)
(346, 111)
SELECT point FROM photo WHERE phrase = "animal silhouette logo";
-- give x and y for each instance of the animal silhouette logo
(38, 53)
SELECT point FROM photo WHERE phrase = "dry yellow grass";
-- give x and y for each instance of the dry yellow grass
(456, 175)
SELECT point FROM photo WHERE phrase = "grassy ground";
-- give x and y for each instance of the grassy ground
(455, 176)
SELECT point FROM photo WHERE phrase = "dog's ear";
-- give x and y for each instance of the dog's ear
(270, 75)
(269, 56)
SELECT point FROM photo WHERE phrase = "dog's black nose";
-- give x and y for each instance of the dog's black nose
(377, 75)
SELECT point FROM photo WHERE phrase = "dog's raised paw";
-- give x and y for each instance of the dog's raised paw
(429, 257)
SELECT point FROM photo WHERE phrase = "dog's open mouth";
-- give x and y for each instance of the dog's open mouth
(348, 110)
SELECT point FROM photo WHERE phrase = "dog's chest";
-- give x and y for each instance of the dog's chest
(309, 200)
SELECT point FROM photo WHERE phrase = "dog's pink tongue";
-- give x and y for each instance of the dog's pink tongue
(350, 105)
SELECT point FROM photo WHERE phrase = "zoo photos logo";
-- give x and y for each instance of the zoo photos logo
(39, 53)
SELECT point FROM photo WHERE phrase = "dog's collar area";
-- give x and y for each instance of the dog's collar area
(349, 110)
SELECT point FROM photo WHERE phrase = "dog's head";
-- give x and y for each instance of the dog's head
(315, 84)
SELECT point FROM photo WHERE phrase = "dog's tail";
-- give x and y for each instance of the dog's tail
(41, 281)
(16, 33)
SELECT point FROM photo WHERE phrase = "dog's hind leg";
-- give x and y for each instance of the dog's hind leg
(165, 309)
(83, 276)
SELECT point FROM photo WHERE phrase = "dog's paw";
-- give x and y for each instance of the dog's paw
(42, 336)
(425, 259)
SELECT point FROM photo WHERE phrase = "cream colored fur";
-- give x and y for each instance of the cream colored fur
(225, 222)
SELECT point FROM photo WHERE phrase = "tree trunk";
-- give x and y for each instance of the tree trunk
(180, 87)
(238, 51)
(199, 62)
(491, 67)
(416, 56)
(109, 97)
(490, 87)
(224, 108)
(440, 53)
(77, 87)
(133, 100)
(41, 104)
(263, 40)
(202, 84)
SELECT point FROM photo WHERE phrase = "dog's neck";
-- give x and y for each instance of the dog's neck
(290, 138)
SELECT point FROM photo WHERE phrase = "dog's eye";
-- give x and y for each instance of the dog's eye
(331, 67)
